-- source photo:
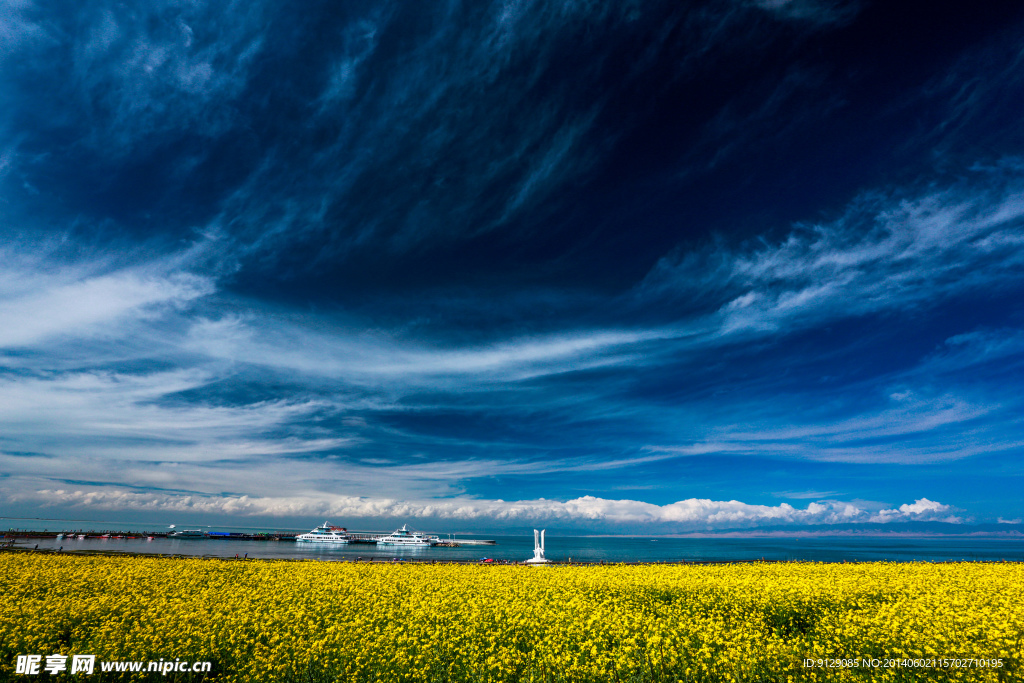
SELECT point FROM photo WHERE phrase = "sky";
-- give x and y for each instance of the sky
(600, 267)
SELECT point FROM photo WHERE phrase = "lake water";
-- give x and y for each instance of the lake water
(576, 548)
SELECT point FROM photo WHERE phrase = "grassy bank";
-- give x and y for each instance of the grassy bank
(318, 621)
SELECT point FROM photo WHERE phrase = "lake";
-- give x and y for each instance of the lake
(577, 548)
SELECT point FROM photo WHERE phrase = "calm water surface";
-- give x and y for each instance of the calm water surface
(580, 548)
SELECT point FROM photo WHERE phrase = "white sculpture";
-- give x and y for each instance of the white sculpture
(538, 549)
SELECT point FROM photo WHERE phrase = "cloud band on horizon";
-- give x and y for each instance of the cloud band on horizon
(684, 515)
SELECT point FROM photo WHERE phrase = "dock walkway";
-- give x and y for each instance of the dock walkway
(364, 537)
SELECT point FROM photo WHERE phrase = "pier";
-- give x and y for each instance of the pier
(354, 537)
(371, 537)
(362, 537)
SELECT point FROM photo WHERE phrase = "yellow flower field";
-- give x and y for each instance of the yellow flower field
(326, 621)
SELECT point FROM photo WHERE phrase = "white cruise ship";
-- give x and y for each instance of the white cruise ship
(325, 533)
(187, 533)
(405, 537)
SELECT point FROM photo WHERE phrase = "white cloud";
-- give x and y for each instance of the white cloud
(682, 515)
(920, 510)
(35, 307)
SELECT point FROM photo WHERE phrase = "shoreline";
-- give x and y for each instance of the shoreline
(503, 563)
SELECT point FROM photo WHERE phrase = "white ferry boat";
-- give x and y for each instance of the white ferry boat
(404, 537)
(187, 533)
(325, 533)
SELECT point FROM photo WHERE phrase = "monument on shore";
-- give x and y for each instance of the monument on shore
(538, 549)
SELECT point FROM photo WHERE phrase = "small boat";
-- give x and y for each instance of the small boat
(325, 533)
(60, 536)
(404, 537)
(81, 536)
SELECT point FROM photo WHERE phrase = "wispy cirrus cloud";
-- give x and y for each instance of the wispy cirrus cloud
(74, 300)
(164, 68)
(906, 425)
(823, 12)
(224, 449)
(451, 252)
(804, 495)
(402, 132)
(372, 357)
(429, 127)
(121, 416)
(134, 418)
(884, 253)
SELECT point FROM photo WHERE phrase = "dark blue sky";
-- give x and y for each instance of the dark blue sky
(621, 266)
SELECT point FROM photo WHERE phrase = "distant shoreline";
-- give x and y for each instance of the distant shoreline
(1001, 535)
(498, 563)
